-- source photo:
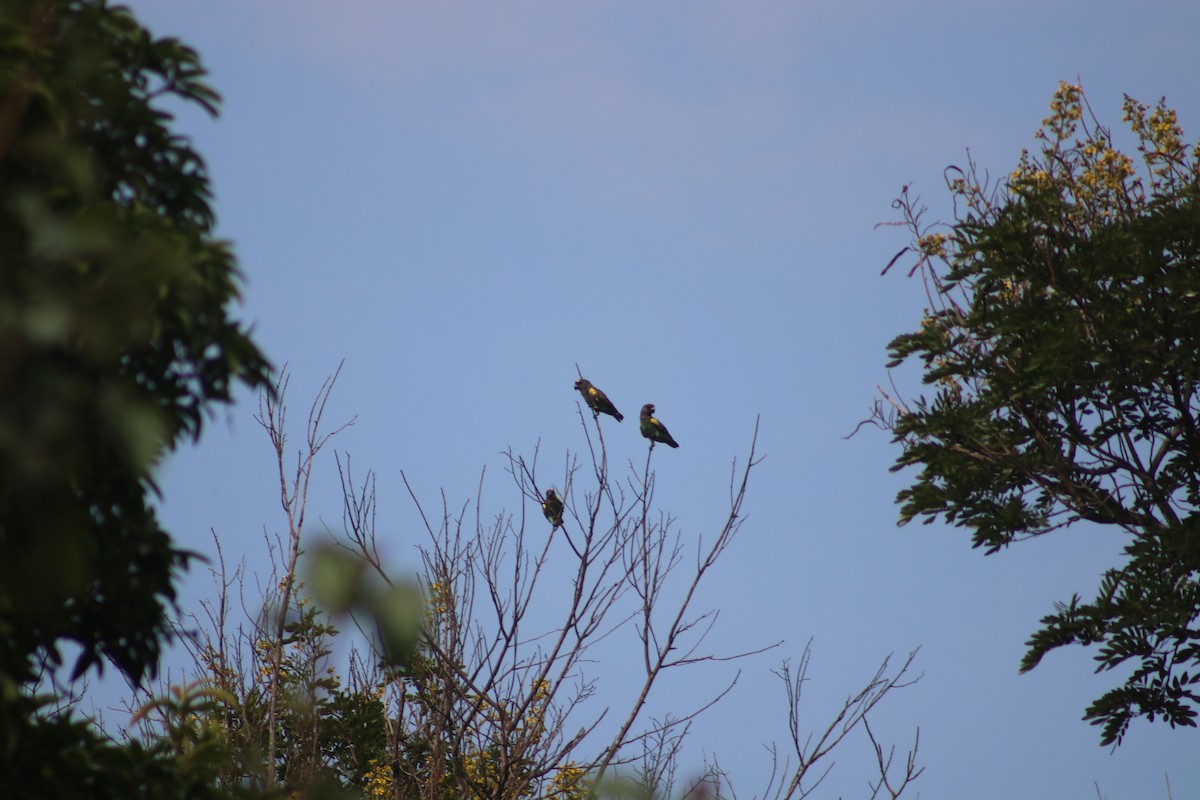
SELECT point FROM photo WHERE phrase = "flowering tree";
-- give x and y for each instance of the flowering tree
(1059, 349)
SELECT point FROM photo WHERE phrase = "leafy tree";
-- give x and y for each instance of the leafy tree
(115, 337)
(1060, 352)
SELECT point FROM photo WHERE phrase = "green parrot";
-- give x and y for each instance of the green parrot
(654, 430)
(552, 507)
(597, 400)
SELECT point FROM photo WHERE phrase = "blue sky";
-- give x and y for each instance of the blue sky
(463, 201)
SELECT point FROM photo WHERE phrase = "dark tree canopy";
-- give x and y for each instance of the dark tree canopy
(1062, 356)
(115, 328)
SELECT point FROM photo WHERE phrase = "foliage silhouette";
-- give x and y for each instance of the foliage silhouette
(1060, 351)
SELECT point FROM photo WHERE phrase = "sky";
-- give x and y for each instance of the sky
(465, 201)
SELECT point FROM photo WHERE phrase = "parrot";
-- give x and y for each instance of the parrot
(597, 400)
(654, 430)
(552, 507)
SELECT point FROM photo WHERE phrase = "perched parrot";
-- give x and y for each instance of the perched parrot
(552, 507)
(654, 430)
(597, 400)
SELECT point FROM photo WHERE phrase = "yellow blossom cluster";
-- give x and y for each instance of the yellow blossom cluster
(535, 717)
(265, 649)
(1066, 110)
(933, 245)
(1009, 291)
(968, 191)
(1104, 167)
(1161, 143)
(378, 780)
(1027, 173)
(1098, 182)
(569, 783)
(482, 770)
(440, 599)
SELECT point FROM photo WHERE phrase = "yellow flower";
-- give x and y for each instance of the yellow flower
(933, 245)
(569, 783)
(378, 779)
